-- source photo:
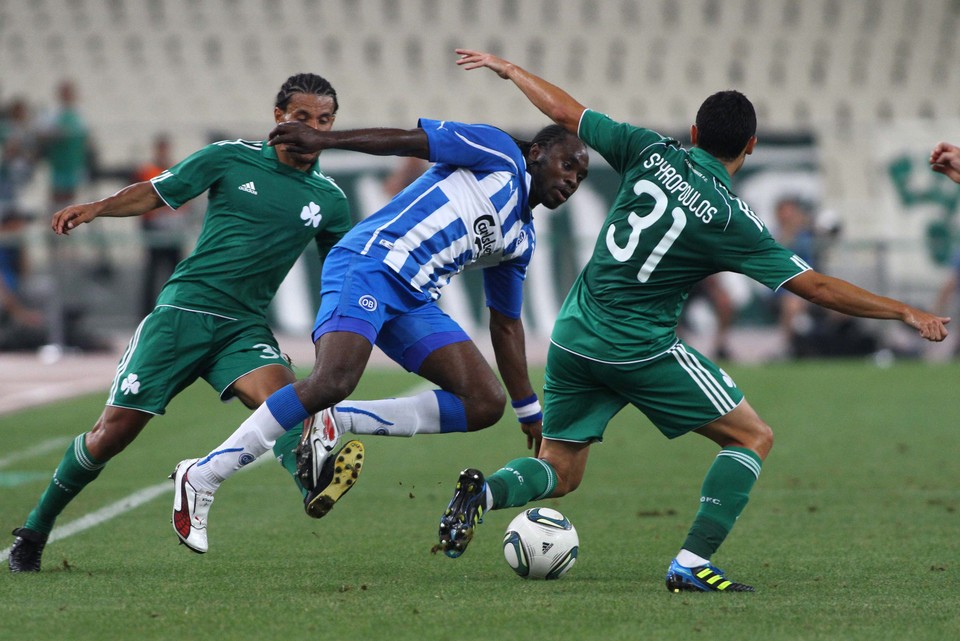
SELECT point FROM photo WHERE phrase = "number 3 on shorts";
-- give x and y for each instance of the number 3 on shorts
(269, 351)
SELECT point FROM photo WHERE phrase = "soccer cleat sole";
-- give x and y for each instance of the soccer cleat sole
(344, 468)
(455, 532)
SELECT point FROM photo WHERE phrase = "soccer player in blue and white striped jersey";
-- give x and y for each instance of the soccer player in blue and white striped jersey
(380, 284)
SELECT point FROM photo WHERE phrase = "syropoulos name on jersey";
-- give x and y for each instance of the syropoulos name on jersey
(673, 183)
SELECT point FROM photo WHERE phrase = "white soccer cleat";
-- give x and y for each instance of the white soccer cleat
(321, 433)
(190, 508)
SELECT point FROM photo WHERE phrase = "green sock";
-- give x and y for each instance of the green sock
(285, 449)
(77, 468)
(520, 481)
(725, 492)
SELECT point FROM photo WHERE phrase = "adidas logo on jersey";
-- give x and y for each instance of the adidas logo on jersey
(249, 187)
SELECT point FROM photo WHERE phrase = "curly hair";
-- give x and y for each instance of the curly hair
(308, 83)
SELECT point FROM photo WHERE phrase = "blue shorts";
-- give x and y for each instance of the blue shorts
(361, 295)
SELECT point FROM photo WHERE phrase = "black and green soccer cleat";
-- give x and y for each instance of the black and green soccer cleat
(463, 513)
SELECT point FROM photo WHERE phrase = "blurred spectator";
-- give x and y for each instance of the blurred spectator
(947, 293)
(68, 150)
(714, 294)
(163, 229)
(21, 326)
(18, 156)
(795, 232)
(810, 330)
(66, 147)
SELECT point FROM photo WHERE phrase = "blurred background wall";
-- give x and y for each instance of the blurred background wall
(851, 96)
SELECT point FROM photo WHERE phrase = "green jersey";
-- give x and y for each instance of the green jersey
(674, 222)
(261, 214)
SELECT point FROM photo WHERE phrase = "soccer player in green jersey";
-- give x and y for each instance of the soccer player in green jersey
(265, 205)
(674, 222)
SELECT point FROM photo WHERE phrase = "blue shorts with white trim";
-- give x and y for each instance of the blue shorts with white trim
(363, 296)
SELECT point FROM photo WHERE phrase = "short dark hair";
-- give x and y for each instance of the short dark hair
(545, 138)
(726, 122)
(309, 83)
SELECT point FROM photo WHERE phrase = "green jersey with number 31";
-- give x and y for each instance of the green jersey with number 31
(673, 223)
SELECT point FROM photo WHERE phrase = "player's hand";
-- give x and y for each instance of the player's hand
(471, 59)
(69, 217)
(534, 432)
(945, 159)
(931, 327)
(297, 138)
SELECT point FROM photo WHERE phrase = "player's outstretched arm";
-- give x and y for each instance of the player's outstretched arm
(847, 298)
(945, 159)
(509, 348)
(132, 200)
(297, 137)
(557, 104)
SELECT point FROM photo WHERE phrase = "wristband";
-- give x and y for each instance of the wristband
(528, 409)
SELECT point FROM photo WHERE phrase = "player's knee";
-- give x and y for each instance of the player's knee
(486, 414)
(761, 439)
(110, 436)
(565, 485)
(484, 410)
(323, 389)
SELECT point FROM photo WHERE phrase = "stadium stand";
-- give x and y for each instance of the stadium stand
(832, 70)
(808, 63)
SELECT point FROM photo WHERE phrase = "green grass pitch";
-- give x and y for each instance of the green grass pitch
(851, 532)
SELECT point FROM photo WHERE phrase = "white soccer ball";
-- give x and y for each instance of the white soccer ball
(541, 543)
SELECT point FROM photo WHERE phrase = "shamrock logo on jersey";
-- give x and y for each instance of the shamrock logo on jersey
(130, 384)
(311, 214)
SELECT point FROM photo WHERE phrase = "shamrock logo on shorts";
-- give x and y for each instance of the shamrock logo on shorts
(130, 384)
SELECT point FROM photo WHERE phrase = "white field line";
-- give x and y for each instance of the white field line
(38, 449)
(122, 506)
(140, 497)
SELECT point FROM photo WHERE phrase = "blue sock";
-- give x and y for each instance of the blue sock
(286, 407)
(453, 416)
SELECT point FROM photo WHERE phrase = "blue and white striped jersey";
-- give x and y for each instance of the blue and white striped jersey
(471, 209)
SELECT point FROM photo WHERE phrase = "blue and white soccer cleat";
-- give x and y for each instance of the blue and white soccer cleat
(463, 513)
(705, 578)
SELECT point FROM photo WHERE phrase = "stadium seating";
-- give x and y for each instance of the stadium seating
(196, 65)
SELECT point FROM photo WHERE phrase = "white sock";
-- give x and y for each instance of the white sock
(488, 502)
(407, 416)
(254, 437)
(688, 559)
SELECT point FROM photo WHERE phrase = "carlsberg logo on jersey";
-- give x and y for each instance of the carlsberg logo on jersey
(485, 227)
(674, 182)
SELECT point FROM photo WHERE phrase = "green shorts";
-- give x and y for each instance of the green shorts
(173, 347)
(679, 391)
